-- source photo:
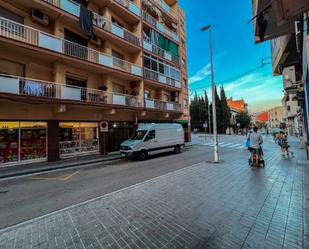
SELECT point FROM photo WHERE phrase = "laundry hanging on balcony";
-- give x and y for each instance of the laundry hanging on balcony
(163, 42)
(86, 21)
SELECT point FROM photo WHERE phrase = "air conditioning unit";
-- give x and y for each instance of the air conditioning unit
(96, 41)
(289, 76)
(40, 17)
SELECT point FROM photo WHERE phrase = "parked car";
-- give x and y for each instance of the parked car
(153, 139)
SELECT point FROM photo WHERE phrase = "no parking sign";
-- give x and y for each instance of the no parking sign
(103, 126)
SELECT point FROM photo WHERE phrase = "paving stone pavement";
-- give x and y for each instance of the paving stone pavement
(228, 205)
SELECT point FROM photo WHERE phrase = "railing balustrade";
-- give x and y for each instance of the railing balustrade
(161, 78)
(161, 52)
(98, 20)
(50, 90)
(17, 31)
(162, 105)
(160, 26)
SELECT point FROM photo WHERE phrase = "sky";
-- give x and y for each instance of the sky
(234, 53)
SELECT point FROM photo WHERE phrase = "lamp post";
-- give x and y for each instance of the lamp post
(213, 87)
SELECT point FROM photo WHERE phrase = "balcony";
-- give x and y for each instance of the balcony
(278, 51)
(50, 90)
(162, 105)
(160, 26)
(37, 38)
(130, 6)
(98, 20)
(161, 52)
(167, 9)
(161, 78)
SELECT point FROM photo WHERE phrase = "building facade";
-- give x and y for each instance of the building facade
(275, 117)
(67, 65)
(284, 24)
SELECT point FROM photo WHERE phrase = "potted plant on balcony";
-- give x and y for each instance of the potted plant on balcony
(103, 88)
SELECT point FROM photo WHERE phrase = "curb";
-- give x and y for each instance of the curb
(55, 168)
(67, 166)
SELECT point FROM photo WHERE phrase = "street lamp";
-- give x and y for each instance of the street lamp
(213, 87)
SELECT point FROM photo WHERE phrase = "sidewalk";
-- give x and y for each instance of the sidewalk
(32, 168)
(228, 205)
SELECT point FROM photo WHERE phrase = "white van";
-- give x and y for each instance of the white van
(153, 139)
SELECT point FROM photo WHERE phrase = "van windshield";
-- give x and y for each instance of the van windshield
(139, 135)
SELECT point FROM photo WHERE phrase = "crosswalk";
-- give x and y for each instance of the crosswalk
(226, 145)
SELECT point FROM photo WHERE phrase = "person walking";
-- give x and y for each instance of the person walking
(255, 144)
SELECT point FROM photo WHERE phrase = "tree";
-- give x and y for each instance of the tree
(199, 111)
(244, 119)
(225, 114)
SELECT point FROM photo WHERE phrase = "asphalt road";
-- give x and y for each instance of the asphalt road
(25, 198)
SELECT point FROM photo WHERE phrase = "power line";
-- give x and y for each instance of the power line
(237, 76)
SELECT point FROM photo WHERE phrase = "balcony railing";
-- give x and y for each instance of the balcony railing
(166, 8)
(162, 105)
(161, 78)
(98, 20)
(160, 26)
(161, 52)
(130, 6)
(50, 90)
(19, 32)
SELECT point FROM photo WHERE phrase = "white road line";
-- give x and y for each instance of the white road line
(234, 145)
(227, 144)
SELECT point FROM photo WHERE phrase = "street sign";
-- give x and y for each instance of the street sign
(238, 124)
(103, 126)
(205, 125)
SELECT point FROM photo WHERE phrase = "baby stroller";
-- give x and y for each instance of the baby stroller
(261, 159)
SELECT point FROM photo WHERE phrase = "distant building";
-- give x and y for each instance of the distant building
(262, 117)
(275, 117)
(237, 105)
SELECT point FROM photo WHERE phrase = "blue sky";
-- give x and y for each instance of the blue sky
(234, 52)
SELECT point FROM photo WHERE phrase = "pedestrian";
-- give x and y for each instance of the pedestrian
(255, 145)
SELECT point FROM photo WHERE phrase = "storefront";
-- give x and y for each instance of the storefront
(22, 141)
(117, 133)
(78, 138)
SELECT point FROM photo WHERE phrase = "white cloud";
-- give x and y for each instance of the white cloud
(201, 74)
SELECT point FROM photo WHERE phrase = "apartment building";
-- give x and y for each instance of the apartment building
(275, 117)
(67, 65)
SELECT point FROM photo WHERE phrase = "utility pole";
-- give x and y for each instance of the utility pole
(213, 87)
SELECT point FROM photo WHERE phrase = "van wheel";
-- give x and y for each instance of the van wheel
(142, 155)
(177, 149)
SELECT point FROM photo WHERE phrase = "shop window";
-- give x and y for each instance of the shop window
(20, 141)
(78, 137)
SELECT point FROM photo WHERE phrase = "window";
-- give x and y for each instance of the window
(117, 88)
(72, 80)
(12, 68)
(147, 94)
(11, 16)
(151, 135)
(118, 59)
(184, 83)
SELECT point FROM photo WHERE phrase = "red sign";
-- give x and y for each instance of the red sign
(103, 126)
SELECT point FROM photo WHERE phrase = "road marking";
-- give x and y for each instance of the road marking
(99, 197)
(55, 178)
(234, 145)
(227, 144)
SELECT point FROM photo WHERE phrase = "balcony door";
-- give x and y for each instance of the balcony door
(75, 45)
